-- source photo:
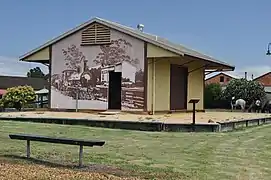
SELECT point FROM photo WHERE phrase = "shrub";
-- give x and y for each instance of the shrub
(17, 97)
(245, 89)
(212, 95)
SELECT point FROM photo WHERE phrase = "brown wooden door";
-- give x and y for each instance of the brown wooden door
(178, 87)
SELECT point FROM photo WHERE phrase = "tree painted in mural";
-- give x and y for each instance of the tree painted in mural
(115, 53)
(73, 57)
(118, 52)
(66, 81)
(77, 77)
(139, 78)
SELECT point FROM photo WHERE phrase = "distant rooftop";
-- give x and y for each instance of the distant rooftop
(231, 74)
(12, 81)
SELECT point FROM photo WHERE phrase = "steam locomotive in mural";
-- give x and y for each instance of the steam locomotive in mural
(85, 83)
(78, 80)
(92, 84)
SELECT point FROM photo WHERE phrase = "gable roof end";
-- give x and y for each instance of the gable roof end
(261, 76)
(153, 39)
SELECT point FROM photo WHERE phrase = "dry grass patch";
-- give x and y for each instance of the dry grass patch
(12, 171)
(201, 117)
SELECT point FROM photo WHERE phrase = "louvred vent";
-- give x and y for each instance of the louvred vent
(96, 34)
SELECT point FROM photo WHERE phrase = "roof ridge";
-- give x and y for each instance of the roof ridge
(132, 30)
(117, 23)
(147, 37)
(183, 46)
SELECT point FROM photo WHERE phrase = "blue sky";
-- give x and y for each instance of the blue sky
(233, 31)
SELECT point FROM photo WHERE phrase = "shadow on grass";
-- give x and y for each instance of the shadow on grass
(96, 168)
(15, 158)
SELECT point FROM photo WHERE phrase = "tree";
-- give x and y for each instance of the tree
(17, 97)
(212, 95)
(242, 88)
(35, 73)
(115, 53)
(73, 57)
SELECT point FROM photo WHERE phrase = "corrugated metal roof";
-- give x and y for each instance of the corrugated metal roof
(156, 40)
(181, 48)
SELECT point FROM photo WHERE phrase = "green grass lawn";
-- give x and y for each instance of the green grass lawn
(236, 155)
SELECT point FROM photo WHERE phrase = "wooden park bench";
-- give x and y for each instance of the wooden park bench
(69, 141)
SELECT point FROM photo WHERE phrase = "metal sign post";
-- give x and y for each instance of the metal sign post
(76, 102)
(194, 102)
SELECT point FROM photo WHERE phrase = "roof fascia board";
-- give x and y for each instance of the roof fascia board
(230, 67)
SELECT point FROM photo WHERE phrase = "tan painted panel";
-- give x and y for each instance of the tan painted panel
(40, 55)
(149, 85)
(195, 85)
(155, 51)
(162, 85)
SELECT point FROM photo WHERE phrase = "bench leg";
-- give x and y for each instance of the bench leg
(80, 156)
(28, 148)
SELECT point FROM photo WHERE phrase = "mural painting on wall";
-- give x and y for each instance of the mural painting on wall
(91, 83)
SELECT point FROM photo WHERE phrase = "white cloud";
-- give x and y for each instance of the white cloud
(256, 71)
(13, 67)
(240, 72)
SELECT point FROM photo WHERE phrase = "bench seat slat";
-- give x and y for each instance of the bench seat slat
(56, 140)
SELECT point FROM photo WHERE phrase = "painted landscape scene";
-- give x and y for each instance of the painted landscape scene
(88, 79)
